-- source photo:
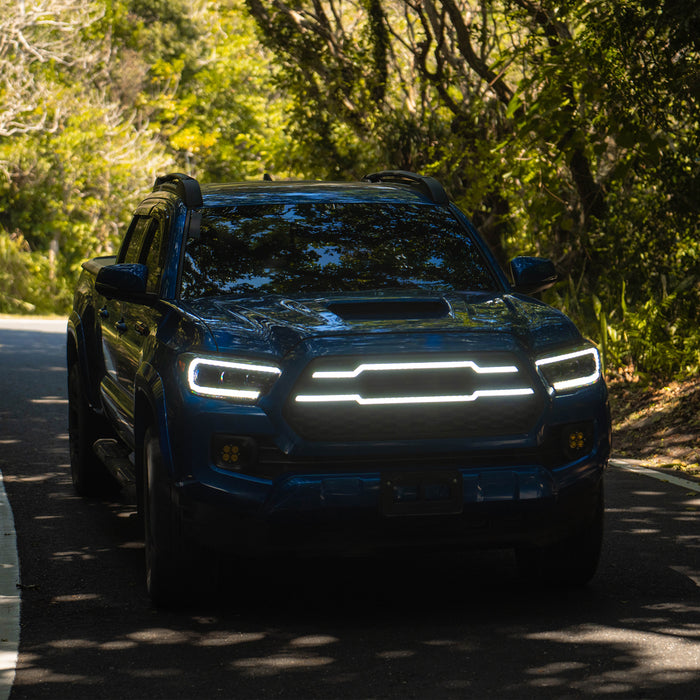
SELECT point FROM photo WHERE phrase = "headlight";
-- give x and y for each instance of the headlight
(233, 379)
(571, 370)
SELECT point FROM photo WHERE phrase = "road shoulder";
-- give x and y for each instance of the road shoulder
(9, 596)
(639, 467)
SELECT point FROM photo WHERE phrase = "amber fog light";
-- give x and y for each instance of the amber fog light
(234, 453)
(577, 439)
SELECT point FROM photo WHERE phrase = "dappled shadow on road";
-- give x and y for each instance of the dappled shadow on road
(432, 627)
(365, 628)
(366, 631)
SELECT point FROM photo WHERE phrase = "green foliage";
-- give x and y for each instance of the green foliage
(568, 130)
(26, 282)
(140, 88)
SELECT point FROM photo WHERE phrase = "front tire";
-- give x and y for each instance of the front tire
(570, 562)
(169, 558)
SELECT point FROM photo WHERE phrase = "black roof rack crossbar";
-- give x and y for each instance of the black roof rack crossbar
(186, 187)
(429, 185)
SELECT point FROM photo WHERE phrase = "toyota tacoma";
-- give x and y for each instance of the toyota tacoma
(328, 367)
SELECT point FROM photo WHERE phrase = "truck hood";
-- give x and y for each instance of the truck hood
(279, 323)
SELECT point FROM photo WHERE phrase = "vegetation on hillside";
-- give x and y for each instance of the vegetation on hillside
(657, 423)
(565, 129)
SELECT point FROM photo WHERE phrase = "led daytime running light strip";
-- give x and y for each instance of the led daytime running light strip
(224, 365)
(397, 400)
(578, 381)
(392, 366)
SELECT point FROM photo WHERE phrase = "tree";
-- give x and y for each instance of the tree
(35, 38)
(105, 96)
(568, 128)
(204, 84)
(70, 156)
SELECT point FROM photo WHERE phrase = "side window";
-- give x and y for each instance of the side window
(131, 252)
(155, 257)
(146, 244)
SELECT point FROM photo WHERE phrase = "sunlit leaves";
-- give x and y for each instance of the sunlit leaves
(135, 88)
(565, 129)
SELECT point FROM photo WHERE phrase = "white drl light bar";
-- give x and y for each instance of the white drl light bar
(576, 382)
(220, 391)
(392, 366)
(397, 400)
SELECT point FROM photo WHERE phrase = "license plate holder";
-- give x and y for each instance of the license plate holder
(422, 493)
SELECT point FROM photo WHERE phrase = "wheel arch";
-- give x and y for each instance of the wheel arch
(150, 411)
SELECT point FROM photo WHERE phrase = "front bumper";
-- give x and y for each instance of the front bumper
(359, 513)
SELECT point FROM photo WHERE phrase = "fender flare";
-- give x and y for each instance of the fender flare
(77, 351)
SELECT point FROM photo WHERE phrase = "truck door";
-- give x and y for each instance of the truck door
(127, 325)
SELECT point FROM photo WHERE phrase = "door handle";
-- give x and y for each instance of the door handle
(121, 326)
(104, 313)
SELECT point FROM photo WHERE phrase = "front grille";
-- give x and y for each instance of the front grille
(353, 399)
(355, 423)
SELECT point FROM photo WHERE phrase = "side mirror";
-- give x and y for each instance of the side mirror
(532, 275)
(124, 281)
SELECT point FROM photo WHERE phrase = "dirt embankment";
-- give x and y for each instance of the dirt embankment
(658, 424)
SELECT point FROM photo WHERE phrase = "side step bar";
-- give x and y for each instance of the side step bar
(118, 460)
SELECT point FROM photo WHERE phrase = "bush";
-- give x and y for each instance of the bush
(27, 281)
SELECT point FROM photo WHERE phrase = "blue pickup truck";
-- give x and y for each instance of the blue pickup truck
(324, 367)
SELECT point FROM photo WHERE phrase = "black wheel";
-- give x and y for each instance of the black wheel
(90, 476)
(569, 562)
(170, 562)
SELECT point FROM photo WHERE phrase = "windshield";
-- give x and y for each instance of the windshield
(324, 247)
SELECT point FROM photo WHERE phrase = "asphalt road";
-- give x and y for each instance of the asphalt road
(444, 627)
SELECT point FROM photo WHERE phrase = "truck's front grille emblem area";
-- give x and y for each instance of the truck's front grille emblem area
(404, 366)
(399, 400)
(410, 400)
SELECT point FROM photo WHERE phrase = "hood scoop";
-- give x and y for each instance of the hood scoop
(390, 309)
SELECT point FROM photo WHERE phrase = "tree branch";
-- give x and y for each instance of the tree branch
(495, 81)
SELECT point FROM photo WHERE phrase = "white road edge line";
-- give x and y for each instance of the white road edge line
(626, 465)
(9, 596)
